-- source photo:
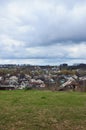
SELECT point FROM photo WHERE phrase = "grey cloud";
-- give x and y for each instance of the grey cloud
(47, 30)
(60, 24)
(53, 22)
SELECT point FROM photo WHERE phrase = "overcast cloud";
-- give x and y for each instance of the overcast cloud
(42, 31)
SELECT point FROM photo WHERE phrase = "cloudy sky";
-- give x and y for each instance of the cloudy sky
(42, 31)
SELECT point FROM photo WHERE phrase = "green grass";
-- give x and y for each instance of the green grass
(42, 110)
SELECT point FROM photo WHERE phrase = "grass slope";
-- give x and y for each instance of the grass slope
(42, 110)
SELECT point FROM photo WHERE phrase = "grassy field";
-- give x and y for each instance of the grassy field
(42, 110)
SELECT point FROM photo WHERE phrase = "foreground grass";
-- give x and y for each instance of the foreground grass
(42, 110)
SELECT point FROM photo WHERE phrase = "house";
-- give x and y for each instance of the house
(70, 84)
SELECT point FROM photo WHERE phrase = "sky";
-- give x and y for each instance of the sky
(42, 32)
